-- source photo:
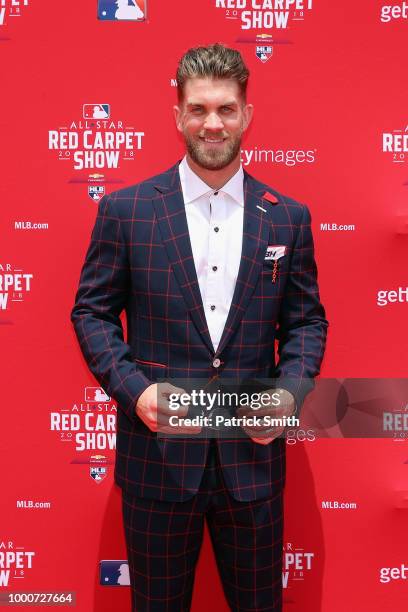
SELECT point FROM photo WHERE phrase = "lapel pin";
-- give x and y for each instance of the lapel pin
(271, 198)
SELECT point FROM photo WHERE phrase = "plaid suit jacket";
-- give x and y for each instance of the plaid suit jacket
(140, 260)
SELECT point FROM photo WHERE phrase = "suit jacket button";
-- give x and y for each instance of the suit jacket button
(216, 363)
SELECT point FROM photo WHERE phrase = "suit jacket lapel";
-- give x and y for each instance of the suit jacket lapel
(254, 243)
(172, 220)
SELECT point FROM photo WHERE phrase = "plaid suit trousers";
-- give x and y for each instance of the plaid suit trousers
(163, 540)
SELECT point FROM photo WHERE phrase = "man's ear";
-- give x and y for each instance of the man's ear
(248, 114)
(177, 117)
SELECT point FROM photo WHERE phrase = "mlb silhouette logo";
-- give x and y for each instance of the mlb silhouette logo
(264, 53)
(114, 573)
(96, 111)
(122, 10)
(96, 394)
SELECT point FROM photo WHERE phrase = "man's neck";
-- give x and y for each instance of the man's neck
(215, 179)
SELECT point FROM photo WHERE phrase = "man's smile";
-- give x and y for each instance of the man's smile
(210, 140)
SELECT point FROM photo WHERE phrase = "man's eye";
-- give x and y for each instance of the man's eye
(196, 110)
(227, 109)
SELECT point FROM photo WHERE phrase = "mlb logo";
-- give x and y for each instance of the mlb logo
(114, 573)
(122, 10)
(96, 394)
(96, 111)
(97, 473)
(264, 53)
(96, 192)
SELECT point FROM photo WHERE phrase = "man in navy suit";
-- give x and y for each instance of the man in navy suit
(211, 267)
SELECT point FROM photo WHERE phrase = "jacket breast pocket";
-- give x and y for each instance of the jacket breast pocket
(267, 267)
(275, 270)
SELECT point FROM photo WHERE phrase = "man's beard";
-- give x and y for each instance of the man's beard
(213, 158)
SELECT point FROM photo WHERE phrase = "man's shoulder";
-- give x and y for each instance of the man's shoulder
(282, 204)
(146, 189)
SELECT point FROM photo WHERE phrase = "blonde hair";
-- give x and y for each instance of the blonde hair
(214, 61)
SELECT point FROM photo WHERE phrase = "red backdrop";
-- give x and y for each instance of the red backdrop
(332, 84)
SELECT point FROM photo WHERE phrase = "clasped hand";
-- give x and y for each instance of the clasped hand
(153, 409)
(264, 434)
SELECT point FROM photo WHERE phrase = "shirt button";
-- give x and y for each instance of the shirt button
(215, 193)
(212, 307)
(216, 229)
(215, 268)
(216, 363)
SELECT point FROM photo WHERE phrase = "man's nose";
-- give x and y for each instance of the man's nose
(213, 122)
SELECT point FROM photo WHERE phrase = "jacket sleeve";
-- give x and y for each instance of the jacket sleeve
(102, 295)
(302, 322)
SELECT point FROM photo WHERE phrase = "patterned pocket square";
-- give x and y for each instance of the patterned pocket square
(275, 252)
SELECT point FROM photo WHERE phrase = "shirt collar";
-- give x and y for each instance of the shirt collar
(193, 187)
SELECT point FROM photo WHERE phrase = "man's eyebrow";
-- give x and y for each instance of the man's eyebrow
(230, 103)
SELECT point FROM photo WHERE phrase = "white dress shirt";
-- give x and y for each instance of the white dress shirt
(215, 224)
